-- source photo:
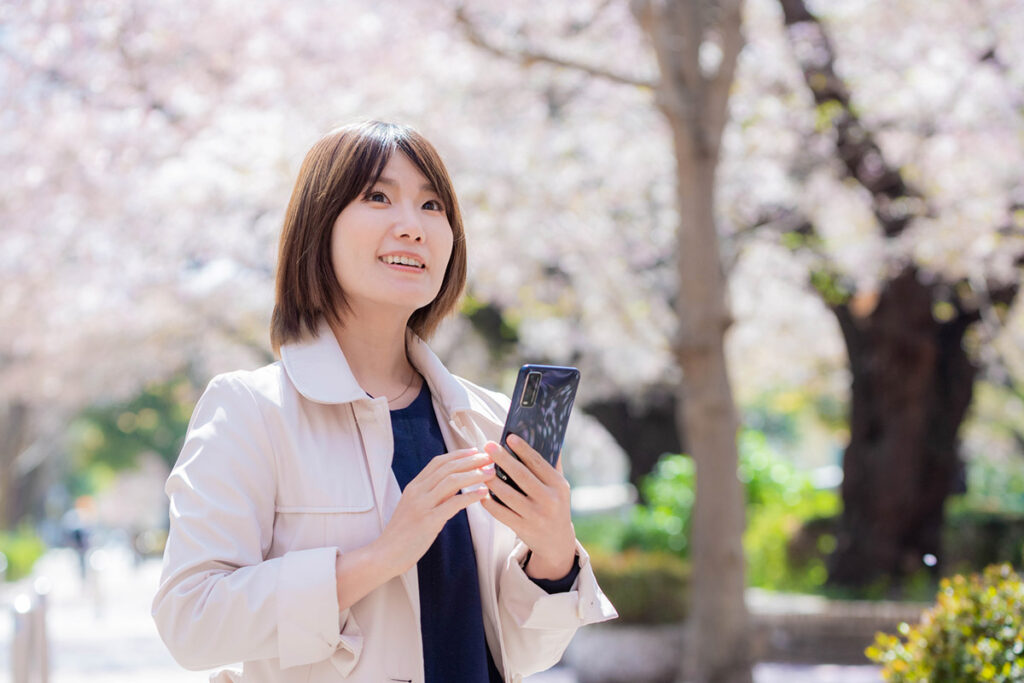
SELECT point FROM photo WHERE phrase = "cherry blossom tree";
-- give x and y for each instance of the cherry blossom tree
(924, 148)
(151, 148)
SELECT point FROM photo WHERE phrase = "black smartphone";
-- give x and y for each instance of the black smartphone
(540, 409)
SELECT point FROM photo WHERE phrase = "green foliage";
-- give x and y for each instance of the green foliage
(645, 587)
(918, 586)
(796, 241)
(992, 488)
(829, 286)
(972, 539)
(787, 417)
(491, 323)
(975, 632)
(663, 524)
(986, 524)
(108, 438)
(21, 548)
(826, 113)
(780, 499)
(601, 532)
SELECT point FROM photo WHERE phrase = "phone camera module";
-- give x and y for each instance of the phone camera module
(530, 390)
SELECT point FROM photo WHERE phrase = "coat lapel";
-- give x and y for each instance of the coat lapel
(319, 371)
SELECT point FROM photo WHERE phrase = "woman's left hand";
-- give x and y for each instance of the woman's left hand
(540, 515)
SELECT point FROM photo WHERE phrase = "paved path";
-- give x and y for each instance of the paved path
(102, 632)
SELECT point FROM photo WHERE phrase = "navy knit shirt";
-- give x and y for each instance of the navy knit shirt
(451, 615)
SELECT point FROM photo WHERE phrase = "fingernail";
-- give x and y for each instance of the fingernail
(512, 438)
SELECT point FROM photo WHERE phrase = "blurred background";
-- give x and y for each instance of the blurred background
(868, 205)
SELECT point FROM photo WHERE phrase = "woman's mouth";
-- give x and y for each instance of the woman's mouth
(408, 261)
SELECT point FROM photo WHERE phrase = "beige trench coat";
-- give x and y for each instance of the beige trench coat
(284, 467)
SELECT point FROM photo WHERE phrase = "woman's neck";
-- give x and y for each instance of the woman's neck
(375, 351)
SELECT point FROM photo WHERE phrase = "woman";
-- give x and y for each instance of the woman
(331, 513)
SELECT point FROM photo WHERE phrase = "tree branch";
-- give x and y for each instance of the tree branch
(777, 220)
(528, 55)
(581, 26)
(678, 93)
(894, 202)
(730, 26)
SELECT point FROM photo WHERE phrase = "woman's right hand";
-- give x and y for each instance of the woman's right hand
(427, 502)
(430, 500)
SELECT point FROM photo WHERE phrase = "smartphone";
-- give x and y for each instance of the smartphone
(540, 409)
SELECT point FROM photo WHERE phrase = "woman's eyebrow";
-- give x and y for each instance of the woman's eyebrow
(426, 187)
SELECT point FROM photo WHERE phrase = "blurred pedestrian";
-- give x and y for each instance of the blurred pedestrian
(76, 534)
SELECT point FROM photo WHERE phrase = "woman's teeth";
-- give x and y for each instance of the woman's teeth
(402, 261)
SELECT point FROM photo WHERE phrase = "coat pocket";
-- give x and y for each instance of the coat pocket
(344, 524)
(340, 507)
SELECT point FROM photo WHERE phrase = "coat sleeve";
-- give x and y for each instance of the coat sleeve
(219, 600)
(536, 626)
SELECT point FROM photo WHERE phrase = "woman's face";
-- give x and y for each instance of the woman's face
(390, 247)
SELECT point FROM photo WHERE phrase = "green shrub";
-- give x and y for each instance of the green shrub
(975, 632)
(663, 524)
(972, 540)
(645, 587)
(21, 548)
(770, 537)
(992, 487)
(601, 531)
(780, 499)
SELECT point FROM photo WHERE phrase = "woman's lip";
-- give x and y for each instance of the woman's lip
(400, 254)
(403, 267)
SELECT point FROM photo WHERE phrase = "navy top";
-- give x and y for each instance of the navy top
(451, 615)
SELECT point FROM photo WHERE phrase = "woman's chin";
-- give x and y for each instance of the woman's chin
(402, 303)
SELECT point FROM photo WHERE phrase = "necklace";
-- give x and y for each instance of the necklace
(412, 378)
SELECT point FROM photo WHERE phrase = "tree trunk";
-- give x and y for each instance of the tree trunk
(912, 384)
(13, 439)
(912, 379)
(720, 646)
(695, 105)
(693, 95)
(645, 428)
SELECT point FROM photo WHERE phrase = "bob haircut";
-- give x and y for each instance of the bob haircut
(337, 170)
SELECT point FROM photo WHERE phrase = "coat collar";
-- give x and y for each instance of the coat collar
(318, 369)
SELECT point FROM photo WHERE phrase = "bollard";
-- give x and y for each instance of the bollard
(21, 643)
(29, 651)
(42, 589)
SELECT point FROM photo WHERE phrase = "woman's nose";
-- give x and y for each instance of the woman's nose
(410, 226)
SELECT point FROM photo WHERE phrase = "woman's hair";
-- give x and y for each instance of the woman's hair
(335, 172)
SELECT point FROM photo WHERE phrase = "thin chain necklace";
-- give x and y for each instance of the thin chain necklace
(412, 378)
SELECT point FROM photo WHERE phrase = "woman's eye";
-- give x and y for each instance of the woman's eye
(376, 197)
(433, 205)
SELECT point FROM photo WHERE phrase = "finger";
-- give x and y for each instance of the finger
(450, 463)
(521, 474)
(470, 464)
(456, 503)
(501, 513)
(443, 459)
(531, 458)
(454, 483)
(516, 501)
